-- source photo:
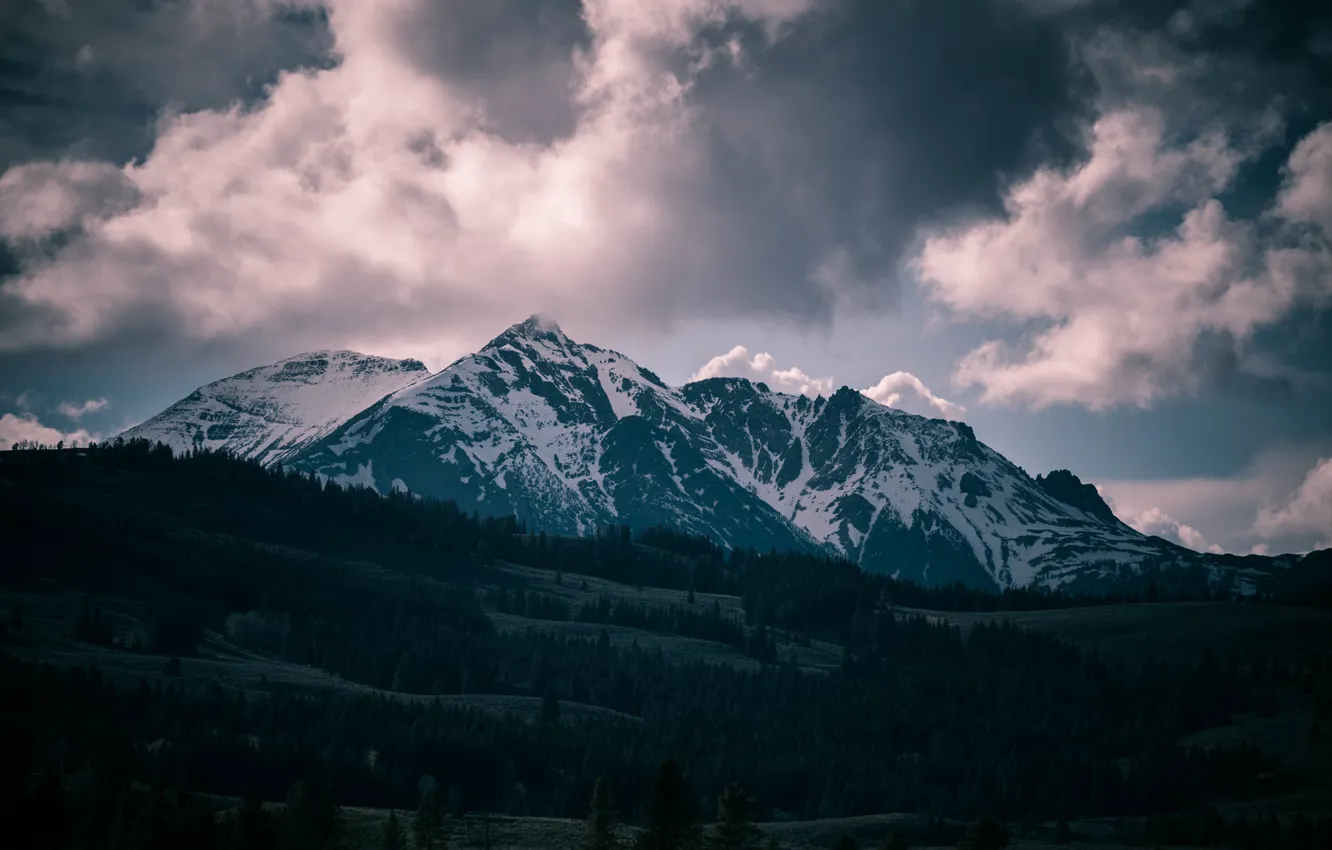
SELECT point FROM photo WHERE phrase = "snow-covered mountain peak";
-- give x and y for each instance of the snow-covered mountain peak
(571, 437)
(535, 330)
(272, 412)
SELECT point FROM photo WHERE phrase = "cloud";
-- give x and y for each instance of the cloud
(905, 391)
(57, 8)
(737, 363)
(1306, 195)
(17, 427)
(1282, 502)
(901, 390)
(376, 184)
(444, 161)
(1157, 522)
(1112, 317)
(84, 59)
(45, 198)
(88, 78)
(1308, 511)
(73, 411)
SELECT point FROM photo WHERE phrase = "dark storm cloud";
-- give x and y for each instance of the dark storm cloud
(88, 78)
(871, 120)
(516, 56)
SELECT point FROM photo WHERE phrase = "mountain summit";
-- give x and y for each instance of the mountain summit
(272, 412)
(571, 437)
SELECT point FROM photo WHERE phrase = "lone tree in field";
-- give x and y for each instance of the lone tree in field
(313, 820)
(734, 829)
(845, 842)
(600, 831)
(672, 822)
(390, 836)
(985, 834)
(429, 829)
(895, 840)
(251, 827)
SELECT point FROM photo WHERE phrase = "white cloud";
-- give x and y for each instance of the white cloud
(1281, 503)
(70, 410)
(1307, 193)
(378, 184)
(737, 363)
(1158, 522)
(24, 426)
(1101, 314)
(905, 391)
(1307, 511)
(901, 390)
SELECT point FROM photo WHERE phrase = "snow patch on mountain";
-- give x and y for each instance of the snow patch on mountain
(572, 437)
(272, 412)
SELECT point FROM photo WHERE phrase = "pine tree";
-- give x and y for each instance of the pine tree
(895, 840)
(550, 705)
(600, 831)
(313, 820)
(1063, 833)
(845, 842)
(252, 827)
(390, 836)
(671, 817)
(734, 829)
(428, 826)
(985, 834)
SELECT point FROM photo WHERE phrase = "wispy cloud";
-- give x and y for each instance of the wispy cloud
(75, 412)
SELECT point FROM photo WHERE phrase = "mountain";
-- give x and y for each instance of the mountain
(272, 412)
(570, 437)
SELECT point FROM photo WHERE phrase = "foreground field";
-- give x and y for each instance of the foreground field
(499, 832)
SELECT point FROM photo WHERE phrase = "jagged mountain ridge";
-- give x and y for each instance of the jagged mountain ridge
(572, 437)
(272, 412)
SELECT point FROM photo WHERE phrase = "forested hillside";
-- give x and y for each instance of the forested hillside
(161, 611)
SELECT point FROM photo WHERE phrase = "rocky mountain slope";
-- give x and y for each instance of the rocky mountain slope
(571, 437)
(272, 412)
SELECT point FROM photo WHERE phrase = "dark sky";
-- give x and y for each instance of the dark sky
(1099, 231)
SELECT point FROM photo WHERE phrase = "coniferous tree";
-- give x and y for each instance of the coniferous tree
(734, 828)
(1063, 833)
(599, 833)
(895, 839)
(390, 836)
(845, 842)
(550, 705)
(313, 821)
(251, 826)
(672, 820)
(985, 834)
(429, 830)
